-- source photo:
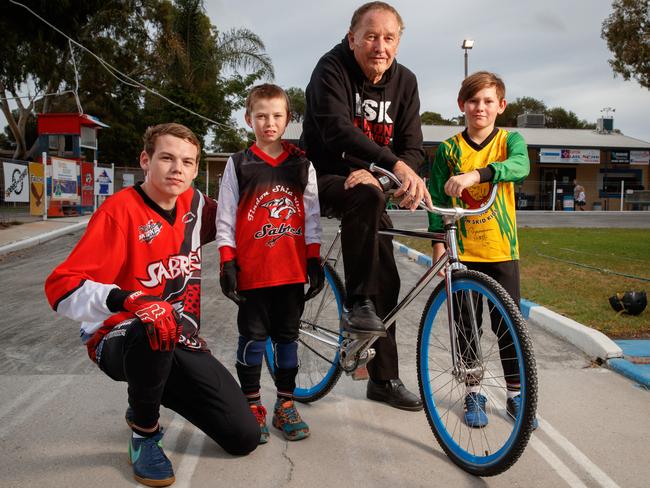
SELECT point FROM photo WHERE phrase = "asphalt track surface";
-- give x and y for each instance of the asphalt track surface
(61, 419)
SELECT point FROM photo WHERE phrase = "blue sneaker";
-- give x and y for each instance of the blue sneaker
(151, 466)
(513, 405)
(475, 415)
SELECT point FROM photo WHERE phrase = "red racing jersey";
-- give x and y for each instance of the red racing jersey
(269, 217)
(133, 244)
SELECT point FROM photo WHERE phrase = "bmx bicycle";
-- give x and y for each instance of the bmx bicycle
(454, 349)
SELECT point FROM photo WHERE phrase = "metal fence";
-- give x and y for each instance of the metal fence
(600, 195)
(15, 187)
(555, 195)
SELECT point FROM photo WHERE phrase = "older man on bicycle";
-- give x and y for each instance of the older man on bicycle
(361, 102)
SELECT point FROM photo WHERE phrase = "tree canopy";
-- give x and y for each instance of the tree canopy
(627, 32)
(296, 103)
(434, 118)
(556, 117)
(169, 47)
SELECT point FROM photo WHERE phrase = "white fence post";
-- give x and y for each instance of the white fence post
(94, 176)
(554, 193)
(622, 193)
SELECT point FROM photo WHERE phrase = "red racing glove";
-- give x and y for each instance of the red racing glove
(160, 320)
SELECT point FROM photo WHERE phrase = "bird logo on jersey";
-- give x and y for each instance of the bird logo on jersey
(279, 208)
(279, 205)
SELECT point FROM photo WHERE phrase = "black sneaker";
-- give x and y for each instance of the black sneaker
(395, 394)
(362, 319)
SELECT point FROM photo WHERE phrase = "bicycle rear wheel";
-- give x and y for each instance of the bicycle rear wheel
(494, 448)
(318, 342)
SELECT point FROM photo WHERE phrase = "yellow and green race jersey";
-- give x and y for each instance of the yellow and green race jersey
(492, 236)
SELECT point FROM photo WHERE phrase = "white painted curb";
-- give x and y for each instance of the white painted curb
(34, 241)
(592, 342)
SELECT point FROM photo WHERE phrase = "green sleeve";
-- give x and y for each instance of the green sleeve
(438, 176)
(517, 165)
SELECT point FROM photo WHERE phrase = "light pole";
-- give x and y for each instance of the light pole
(467, 45)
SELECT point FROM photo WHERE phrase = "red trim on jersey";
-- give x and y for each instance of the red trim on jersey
(227, 253)
(313, 250)
(268, 159)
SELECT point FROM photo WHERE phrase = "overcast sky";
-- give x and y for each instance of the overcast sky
(549, 50)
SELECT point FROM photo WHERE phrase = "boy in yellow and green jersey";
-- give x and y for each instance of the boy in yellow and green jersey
(465, 168)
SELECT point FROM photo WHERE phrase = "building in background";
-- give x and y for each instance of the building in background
(602, 162)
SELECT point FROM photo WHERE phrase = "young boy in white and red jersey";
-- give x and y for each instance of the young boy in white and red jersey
(268, 234)
(134, 281)
(464, 168)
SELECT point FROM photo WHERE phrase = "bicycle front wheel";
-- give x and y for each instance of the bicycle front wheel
(318, 342)
(492, 353)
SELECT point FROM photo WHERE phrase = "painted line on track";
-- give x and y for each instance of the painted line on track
(556, 463)
(578, 456)
(190, 459)
(34, 405)
(24, 397)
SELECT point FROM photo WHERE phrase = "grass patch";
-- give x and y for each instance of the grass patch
(574, 272)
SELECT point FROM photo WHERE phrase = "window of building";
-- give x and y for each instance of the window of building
(609, 181)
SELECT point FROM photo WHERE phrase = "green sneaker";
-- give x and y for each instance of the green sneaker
(287, 419)
(260, 414)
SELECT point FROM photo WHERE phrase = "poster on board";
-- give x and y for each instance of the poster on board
(103, 181)
(16, 182)
(36, 189)
(64, 180)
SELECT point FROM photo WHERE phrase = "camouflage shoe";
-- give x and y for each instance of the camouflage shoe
(287, 419)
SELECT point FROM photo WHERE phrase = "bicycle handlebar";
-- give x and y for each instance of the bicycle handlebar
(455, 212)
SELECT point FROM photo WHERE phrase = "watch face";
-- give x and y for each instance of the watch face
(385, 182)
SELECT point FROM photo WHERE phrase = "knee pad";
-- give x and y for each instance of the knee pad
(286, 354)
(249, 352)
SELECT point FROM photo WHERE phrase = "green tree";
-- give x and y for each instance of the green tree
(559, 118)
(169, 47)
(434, 118)
(36, 59)
(296, 103)
(198, 67)
(627, 33)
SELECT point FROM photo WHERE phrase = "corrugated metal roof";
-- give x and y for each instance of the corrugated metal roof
(566, 138)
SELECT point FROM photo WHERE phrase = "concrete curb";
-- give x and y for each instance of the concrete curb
(590, 341)
(33, 241)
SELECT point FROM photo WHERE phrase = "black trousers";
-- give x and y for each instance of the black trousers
(193, 383)
(506, 273)
(368, 259)
(271, 312)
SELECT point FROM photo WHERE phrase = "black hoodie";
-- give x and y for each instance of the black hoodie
(389, 129)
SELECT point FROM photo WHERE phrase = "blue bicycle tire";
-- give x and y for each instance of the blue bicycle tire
(491, 452)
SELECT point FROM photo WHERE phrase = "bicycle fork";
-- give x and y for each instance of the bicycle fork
(461, 370)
